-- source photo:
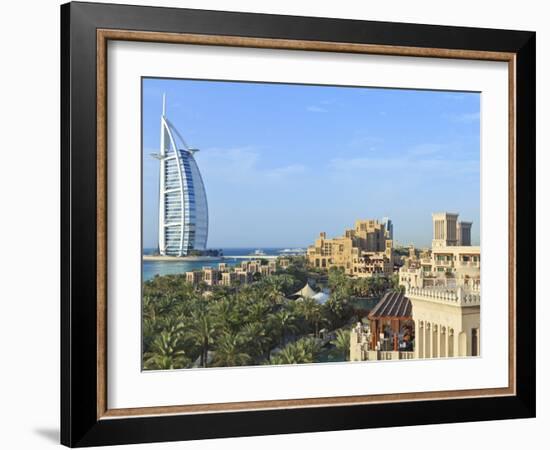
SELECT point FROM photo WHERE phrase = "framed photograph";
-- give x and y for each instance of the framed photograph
(276, 224)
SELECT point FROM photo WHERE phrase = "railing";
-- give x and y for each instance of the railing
(387, 355)
(474, 264)
(443, 263)
(380, 355)
(456, 296)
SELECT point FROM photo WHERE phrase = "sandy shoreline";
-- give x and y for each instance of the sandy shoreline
(204, 258)
(180, 258)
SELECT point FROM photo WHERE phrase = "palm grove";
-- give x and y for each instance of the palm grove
(200, 326)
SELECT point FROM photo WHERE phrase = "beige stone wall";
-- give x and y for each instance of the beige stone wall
(443, 328)
(228, 278)
(193, 277)
(356, 340)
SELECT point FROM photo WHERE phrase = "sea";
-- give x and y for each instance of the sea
(152, 268)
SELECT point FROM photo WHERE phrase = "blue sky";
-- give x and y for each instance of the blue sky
(283, 162)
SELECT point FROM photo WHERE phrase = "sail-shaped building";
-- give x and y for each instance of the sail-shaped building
(183, 208)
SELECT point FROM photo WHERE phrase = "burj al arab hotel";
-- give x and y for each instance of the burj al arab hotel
(183, 208)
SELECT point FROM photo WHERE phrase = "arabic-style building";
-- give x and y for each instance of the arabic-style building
(440, 305)
(363, 251)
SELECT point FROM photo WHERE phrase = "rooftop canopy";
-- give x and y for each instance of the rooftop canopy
(306, 292)
(321, 297)
(392, 305)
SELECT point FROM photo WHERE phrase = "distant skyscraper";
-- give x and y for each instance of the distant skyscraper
(183, 208)
(389, 227)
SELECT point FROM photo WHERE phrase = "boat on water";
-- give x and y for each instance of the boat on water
(292, 251)
(258, 252)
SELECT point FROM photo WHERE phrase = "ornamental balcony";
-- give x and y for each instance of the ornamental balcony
(472, 264)
(381, 355)
(450, 296)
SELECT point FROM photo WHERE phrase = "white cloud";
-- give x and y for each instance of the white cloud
(425, 149)
(316, 109)
(227, 163)
(282, 172)
(423, 158)
(465, 117)
(437, 166)
(242, 165)
(366, 141)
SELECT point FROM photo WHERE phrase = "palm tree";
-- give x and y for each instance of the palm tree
(285, 322)
(377, 284)
(257, 311)
(362, 287)
(286, 283)
(229, 351)
(394, 282)
(225, 313)
(247, 292)
(202, 330)
(304, 351)
(220, 293)
(338, 280)
(148, 308)
(255, 339)
(272, 291)
(341, 343)
(166, 352)
(312, 313)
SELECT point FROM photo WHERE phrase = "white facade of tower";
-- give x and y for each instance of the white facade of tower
(183, 207)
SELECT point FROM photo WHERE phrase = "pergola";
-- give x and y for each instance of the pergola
(393, 309)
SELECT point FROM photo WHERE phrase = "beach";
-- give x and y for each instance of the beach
(172, 265)
(181, 258)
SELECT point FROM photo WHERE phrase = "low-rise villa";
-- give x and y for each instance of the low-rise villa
(226, 275)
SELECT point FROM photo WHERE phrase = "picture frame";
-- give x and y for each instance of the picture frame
(86, 29)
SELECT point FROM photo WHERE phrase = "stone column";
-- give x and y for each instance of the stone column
(469, 343)
(427, 340)
(419, 339)
(443, 342)
(435, 341)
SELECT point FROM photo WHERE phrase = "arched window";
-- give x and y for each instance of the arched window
(474, 342)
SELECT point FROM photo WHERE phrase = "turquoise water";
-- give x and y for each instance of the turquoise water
(365, 303)
(152, 268)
